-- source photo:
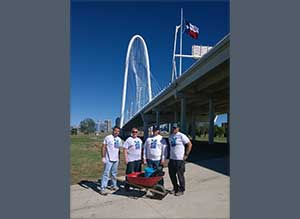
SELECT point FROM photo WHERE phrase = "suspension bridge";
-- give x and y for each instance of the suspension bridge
(199, 94)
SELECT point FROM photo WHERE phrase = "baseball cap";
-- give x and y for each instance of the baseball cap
(155, 128)
(175, 125)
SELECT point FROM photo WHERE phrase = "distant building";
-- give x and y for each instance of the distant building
(107, 125)
(97, 126)
(104, 126)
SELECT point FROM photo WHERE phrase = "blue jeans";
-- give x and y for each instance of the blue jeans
(153, 163)
(110, 167)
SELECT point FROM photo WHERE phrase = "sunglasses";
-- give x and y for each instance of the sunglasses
(134, 131)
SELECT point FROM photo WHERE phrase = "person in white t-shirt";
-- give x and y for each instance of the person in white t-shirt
(110, 157)
(155, 150)
(133, 153)
(180, 147)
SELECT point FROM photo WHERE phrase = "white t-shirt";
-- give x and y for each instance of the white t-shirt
(113, 146)
(154, 148)
(177, 148)
(134, 148)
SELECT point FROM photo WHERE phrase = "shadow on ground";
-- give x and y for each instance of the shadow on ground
(133, 193)
(89, 185)
(95, 186)
(214, 157)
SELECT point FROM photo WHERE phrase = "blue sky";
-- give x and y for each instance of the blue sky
(101, 31)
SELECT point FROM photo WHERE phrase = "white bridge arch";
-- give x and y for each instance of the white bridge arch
(129, 49)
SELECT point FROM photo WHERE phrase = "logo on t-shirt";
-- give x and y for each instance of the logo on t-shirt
(137, 145)
(173, 141)
(116, 143)
(153, 143)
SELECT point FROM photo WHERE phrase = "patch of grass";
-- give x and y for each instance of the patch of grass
(86, 158)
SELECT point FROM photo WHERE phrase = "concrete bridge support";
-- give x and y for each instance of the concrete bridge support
(145, 125)
(176, 117)
(193, 123)
(183, 122)
(157, 118)
(211, 116)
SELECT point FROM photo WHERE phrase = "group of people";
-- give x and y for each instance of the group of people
(153, 152)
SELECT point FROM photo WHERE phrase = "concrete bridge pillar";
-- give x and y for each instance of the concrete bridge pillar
(211, 116)
(193, 123)
(146, 131)
(157, 118)
(175, 116)
(145, 125)
(183, 122)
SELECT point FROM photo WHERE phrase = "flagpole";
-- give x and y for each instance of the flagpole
(174, 74)
(173, 59)
(181, 31)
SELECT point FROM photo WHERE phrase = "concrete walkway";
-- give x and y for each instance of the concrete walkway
(206, 196)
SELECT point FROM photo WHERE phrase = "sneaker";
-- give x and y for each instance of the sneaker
(172, 192)
(115, 188)
(179, 193)
(103, 192)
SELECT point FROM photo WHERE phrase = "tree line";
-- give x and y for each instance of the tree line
(88, 126)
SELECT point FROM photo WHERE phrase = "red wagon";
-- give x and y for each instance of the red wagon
(136, 178)
(149, 183)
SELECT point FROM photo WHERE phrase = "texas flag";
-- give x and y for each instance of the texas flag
(191, 30)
